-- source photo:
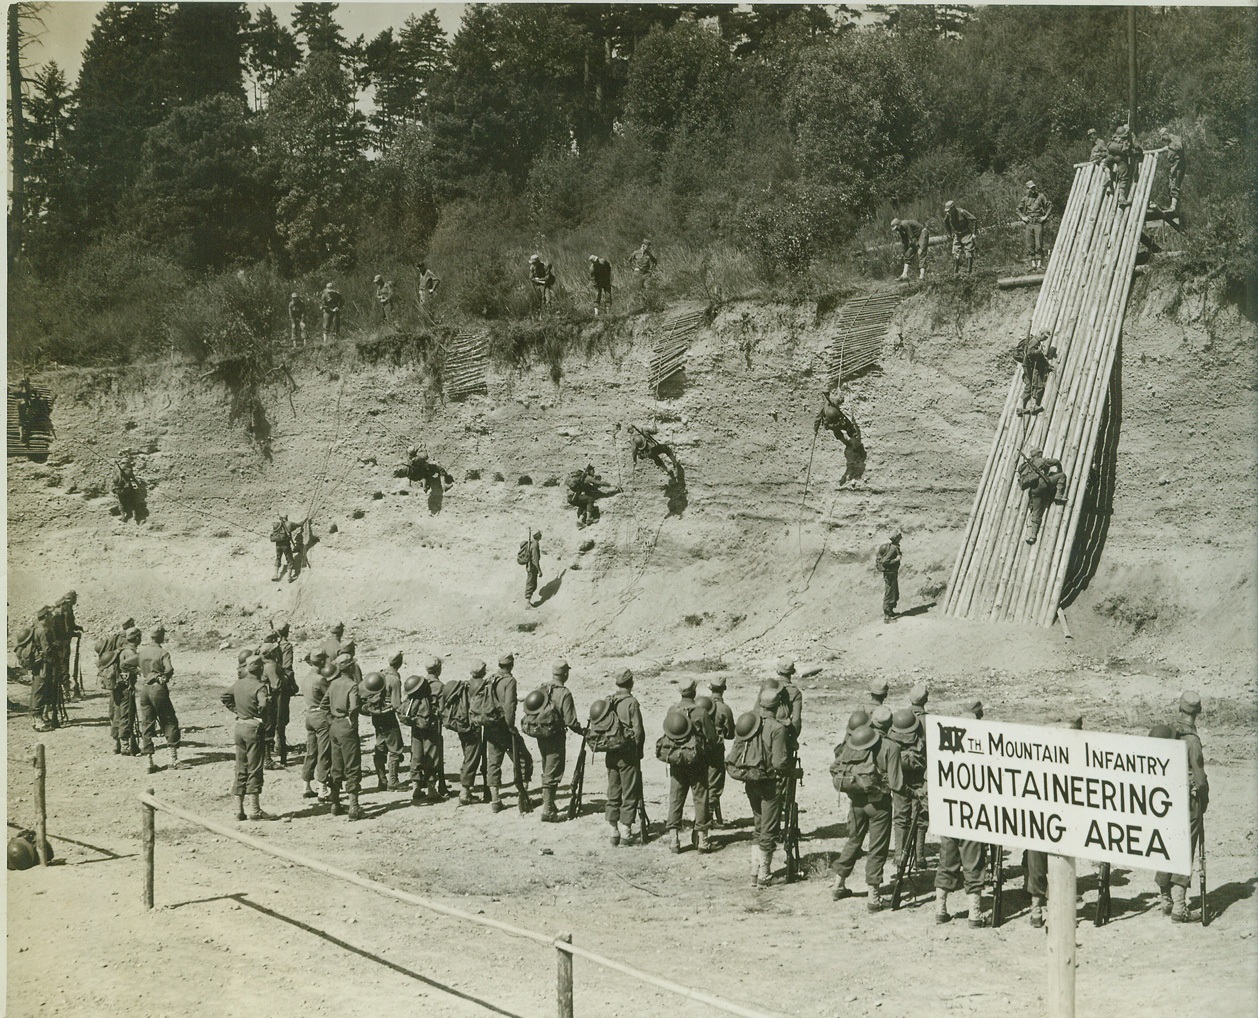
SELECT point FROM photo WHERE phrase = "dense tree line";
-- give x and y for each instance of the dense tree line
(203, 139)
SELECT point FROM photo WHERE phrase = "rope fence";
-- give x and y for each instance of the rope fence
(565, 949)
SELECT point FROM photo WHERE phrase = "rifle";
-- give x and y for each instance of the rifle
(518, 750)
(908, 856)
(482, 764)
(790, 811)
(578, 784)
(643, 818)
(1102, 897)
(78, 675)
(1043, 476)
(998, 884)
(1201, 857)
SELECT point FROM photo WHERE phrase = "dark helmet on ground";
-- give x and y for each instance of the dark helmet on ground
(863, 738)
(373, 682)
(676, 724)
(411, 684)
(22, 853)
(534, 700)
(747, 724)
(706, 703)
(904, 721)
(598, 710)
(858, 719)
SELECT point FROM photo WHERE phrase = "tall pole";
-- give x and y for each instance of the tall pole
(1131, 69)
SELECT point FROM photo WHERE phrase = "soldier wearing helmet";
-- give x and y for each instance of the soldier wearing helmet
(381, 702)
(422, 693)
(764, 793)
(343, 702)
(877, 694)
(153, 698)
(1173, 887)
(723, 721)
(918, 696)
(870, 805)
(887, 561)
(914, 241)
(1100, 148)
(962, 864)
(532, 567)
(454, 697)
(690, 778)
(318, 758)
(553, 748)
(430, 476)
(624, 765)
(247, 698)
(907, 732)
(500, 735)
(542, 279)
(122, 704)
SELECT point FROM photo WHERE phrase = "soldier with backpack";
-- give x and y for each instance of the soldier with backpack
(907, 732)
(616, 731)
(688, 732)
(455, 706)
(962, 864)
(866, 770)
(548, 712)
(381, 704)
(759, 758)
(492, 706)
(281, 537)
(419, 710)
(1036, 367)
(1045, 482)
(723, 721)
(318, 759)
(530, 556)
(790, 704)
(344, 702)
(153, 696)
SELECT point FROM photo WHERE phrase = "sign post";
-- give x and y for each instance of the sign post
(1073, 794)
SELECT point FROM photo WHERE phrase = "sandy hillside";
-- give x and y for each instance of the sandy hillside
(724, 584)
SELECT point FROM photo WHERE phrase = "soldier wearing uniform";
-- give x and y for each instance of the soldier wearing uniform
(71, 631)
(1045, 483)
(273, 676)
(961, 864)
(870, 813)
(1100, 148)
(887, 561)
(533, 568)
(296, 318)
(723, 721)
(153, 694)
(601, 277)
(914, 241)
(690, 778)
(644, 445)
(918, 696)
(961, 228)
(1034, 210)
(330, 304)
(1176, 164)
(122, 705)
(624, 765)
(643, 261)
(381, 703)
(500, 734)
(469, 737)
(384, 297)
(1173, 887)
(425, 722)
(248, 699)
(343, 704)
(553, 748)
(45, 694)
(318, 757)
(877, 695)
(907, 732)
(330, 645)
(764, 793)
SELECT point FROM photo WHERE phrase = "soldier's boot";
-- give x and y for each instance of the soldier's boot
(757, 866)
(495, 800)
(716, 812)
(336, 799)
(117, 747)
(378, 758)
(905, 273)
(702, 843)
(766, 872)
(417, 795)
(1164, 901)
(873, 902)
(393, 769)
(175, 765)
(325, 793)
(674, 841)
(976, 920)
(941, 906)
(550, 815)
(276, 577)
(1180, 912)
(149, 766)
(268, 759)
(355, 811)
(240, 808)
(626, 834)
(465, 797)
(283, 751)
(616, 836)
(255, 808)
(1174, 204)
(840, 890)
(308, 792)
(921, 273)
(1037, 912)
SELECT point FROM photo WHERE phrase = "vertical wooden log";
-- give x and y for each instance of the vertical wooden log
(41, 805)
(565, 976)
(1061, 936)
(148, 837)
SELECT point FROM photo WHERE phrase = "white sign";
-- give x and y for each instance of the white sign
(1121, 799)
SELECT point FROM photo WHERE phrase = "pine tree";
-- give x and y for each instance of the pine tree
(204, 51)
(273, 53)
(402, 71)
(317, 28)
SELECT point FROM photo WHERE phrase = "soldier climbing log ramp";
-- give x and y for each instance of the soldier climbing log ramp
(464, 369)
(997, 575)
(39, 430)
(862, 327)
(672, 342)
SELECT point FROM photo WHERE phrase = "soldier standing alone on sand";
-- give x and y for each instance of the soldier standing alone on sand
(532, 567)
(888, 563)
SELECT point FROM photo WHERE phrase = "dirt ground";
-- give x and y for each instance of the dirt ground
(723, 585)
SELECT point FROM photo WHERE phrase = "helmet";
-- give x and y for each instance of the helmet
(625, 679)
(1037, 451)
(243, 656)
(676, 724)
(706, 703)
(859, 719)
(904, 721)
(878, 688)
(328, 671)
(23, 635)
(22, 853)
(863, 738)
(688, 687)
(534, 258)
(373, 682)
(598, 710)
(534, 701)
(1162, 732)
(133, 635)
(1122, 131)
(895, 223)
(411, 684)
(880, 719)
(919, 694)
(769, 696)
(747, 724)
(395, 658)
(949, 205)
(293, 295)
(478, 669)
(506, 661)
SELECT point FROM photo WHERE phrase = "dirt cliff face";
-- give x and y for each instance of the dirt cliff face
(741, 567)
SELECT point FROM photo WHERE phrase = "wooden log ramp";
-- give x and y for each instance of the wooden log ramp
(672, 342)
(1083, 296)
(862, 326)
(465, 370)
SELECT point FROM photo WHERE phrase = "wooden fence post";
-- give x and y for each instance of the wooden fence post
(565, 976)
(147, 813)
(41, 805)
(1062, 889)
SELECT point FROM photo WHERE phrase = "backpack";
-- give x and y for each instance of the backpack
(682, 752)
(576, 481)
(26, 652)
(608, 733)
(417, 709)
(1028, 476)
(748, 758)
(522, 556)
(855, 772)
(913, 755)
(483, 707)
(543, 722)
(279, 533)
(456, 708)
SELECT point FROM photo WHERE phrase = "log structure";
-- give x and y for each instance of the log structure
(673, 341)
(862, 326)
(464, 369)
(40, 432)
(997, 576)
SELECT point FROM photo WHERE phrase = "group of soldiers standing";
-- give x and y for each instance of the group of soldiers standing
(541, 274)
(137, 674)
(48, 650)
